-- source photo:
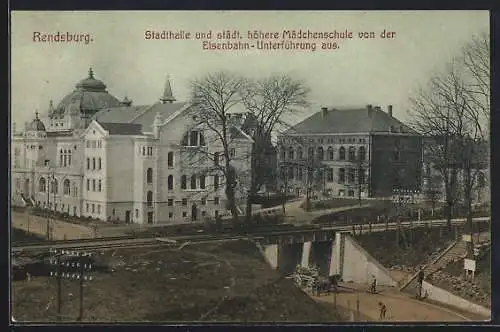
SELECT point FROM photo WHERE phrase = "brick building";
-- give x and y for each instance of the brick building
(363, 152)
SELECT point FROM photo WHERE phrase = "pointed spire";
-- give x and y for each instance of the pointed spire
(126, 101)
(167, 93)
(91, 73)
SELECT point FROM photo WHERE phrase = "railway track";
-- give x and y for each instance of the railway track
(260, 232)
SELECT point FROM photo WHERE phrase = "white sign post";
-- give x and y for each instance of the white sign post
(469, 266)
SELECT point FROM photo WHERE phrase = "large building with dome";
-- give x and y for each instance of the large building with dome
(94, 155)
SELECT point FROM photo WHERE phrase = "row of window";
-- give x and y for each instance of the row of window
(351, 174)
(91, 208)
(54, 188)
(64, 158)
(193, 138)
(184, 201)
(146, 150)
(94, 144)
(319, 153)
(328, 140)
(97, 188)
(96, 163)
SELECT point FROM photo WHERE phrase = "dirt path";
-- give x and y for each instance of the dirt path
(399, 307)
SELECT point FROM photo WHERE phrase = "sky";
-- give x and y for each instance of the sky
(375, 71)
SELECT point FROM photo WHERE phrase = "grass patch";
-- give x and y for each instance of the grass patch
(215, 282)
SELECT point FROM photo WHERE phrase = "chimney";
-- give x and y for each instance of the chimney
(324, 111)
(389, 110)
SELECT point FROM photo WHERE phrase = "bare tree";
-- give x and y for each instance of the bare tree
(269, 101)
(213, 97)
(453, 111)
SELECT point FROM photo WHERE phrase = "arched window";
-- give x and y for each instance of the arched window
(193, 181)
(283, 154)
(300, 154)
(88, 163)
(216, 158)
(342, 153)
(54, 187)
(202, 181)
(183, 182)
(149, 175)
(93, 163)
(321, 153)
(66, 187)
(42, 185)
(362, 153)
(170, 159)
(352, 153)
(291, 155)
(216, 182)
(170, 182)
(100, 163)
(149, 198)
(330, 153)
(99, 186)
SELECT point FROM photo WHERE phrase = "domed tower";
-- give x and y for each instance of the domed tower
(35, 141)
(91, 95)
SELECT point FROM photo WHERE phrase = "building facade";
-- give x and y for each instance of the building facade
(96, 156)
(356, 153)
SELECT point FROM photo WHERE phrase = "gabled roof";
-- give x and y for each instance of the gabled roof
(143, 115)
(359, 120)
(121, 128)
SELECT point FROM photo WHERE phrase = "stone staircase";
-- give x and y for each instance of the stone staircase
(456, 251)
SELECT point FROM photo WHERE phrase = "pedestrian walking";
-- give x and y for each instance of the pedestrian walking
(420, 283)
(373, 287)
(383, 310)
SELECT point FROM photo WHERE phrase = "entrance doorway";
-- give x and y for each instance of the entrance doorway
(194, 213)
(150, 217)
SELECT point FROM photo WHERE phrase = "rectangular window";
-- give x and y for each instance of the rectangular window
(88, 184)
(93, 207)
(352, 175)
(137, 213)
(184, 214)
(216, 200)
(232, 152)
(170, 202)
(330, 174)
(93, 184)
(203, 201)
(87, 207)
(203, 213)
(100, 163)
(88, 163)
(98, 208)
(341, 175)
(170, 215)
(184, 201)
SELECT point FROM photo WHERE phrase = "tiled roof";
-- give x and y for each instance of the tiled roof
(349, 121)
(143, 115)
(122, 128)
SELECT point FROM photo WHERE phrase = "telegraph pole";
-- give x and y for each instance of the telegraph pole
(71, 265)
